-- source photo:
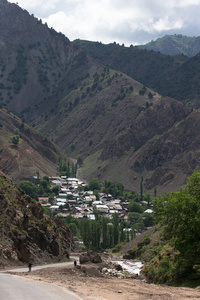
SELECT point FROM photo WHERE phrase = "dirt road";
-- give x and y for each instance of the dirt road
(88, 285)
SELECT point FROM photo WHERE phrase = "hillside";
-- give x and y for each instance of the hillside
(31, 154)
(26, 233)
(37, 65)
(172, 76)
(174, 45)
(163, 159)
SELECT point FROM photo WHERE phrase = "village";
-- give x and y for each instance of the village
(80, 204)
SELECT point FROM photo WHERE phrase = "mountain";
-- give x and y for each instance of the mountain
(26, 233)
(174, 45)
(173, 76)
(24, 151)
(108, 106)
(38, 66)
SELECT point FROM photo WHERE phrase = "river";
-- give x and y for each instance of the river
(133, 267)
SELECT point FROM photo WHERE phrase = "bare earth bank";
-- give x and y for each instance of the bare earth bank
(88, 284)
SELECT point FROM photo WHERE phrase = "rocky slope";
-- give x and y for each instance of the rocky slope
(32, 153)
(156, 144)
(26, 233)
(37, 65)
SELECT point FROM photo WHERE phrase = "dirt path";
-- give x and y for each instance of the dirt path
(101, 288)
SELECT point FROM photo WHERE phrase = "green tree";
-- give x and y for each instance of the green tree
(121, 230)
(134, 217)
(94, 184)
(15, 139)
(86, 233)
(155, 191)
(55, 189)
(115, 229)
(46, 178)
(29, 188)
(116, 190)
(150, 95)
(104, 233)
(40, 190)
(44, 184)
(135, 207)
(110, 236)
(141, 188)
(72, 226)
(179, 213)
(96, 193)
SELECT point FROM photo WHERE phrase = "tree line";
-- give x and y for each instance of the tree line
(178, 216)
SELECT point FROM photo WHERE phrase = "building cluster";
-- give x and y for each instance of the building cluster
(82, 204)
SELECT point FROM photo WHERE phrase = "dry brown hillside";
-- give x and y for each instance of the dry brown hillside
(33, 153)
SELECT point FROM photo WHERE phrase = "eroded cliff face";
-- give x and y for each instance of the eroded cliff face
(25, 232)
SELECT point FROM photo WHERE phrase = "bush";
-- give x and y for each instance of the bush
(160, 272)
(117, 248)
(145, 241)
(15, 139)
(133, 252)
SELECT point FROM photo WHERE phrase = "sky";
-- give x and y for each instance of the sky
(122, 21)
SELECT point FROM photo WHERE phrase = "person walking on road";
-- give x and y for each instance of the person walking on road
(29, 266)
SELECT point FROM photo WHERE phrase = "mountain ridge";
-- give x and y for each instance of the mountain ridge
(174, 45)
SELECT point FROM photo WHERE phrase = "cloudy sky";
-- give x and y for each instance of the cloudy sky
(121, 21)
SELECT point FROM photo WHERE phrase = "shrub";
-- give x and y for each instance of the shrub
(15, 139)
(117, 248)
(133, 251)
(145, 241)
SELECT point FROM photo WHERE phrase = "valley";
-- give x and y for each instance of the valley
(99, 150)
(110, 107)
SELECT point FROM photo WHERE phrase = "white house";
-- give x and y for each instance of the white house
(91, 217)
(97, 203)
(61, 200)
(56, 182)
(61, 203)
(54, 207)
(102, 208)
(118, 207)
(72, 182)
(62, 195)
(149, 211)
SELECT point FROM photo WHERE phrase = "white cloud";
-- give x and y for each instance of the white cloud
(127, 21)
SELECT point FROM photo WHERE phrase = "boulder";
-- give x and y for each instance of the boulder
(90, 256)
(118, 267)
